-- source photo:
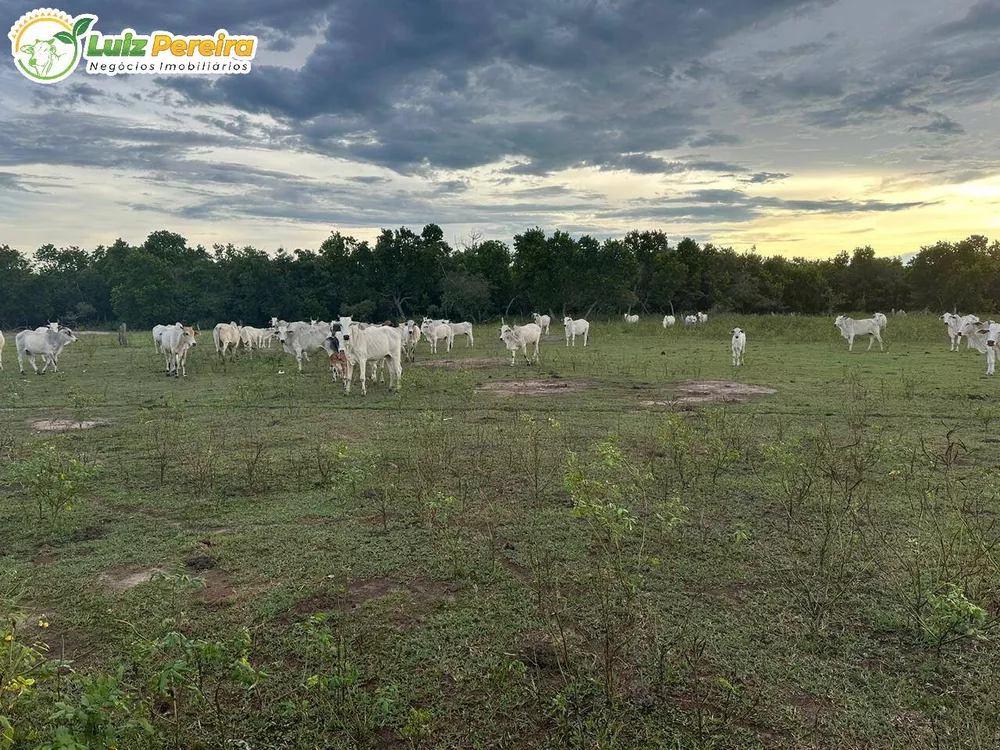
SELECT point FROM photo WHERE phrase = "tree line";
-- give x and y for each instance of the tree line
(404, 274)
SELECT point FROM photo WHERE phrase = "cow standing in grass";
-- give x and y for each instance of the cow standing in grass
(576, 328)
(849, 328)
(30, 344)
(739, 346)
(175, 342)
(521, 337)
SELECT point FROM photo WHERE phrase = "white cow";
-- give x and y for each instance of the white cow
(49, 327)
(174, 343)
(880, 319)
(49, 344)
(690, 320)
(255, 338)
(372, 344)
(983, 338)
(2, 342)
(411, 337)
(631, 318)
(576, 328)
(158, 337)
(464, 329)
(739, 346)
(669, 320)
(542, 321)
(226, 335)
(702, 317)
(520, 337)
(435, 330)
(956, 325)
(849, 328)
(300, 338)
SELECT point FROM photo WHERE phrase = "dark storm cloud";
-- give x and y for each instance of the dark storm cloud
(441, 82)
(983, 17)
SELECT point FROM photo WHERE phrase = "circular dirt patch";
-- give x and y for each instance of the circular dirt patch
(61, 425)
(530, 388)
(460, 364)
(708, 391)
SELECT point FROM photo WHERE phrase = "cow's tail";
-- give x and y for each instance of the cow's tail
(217, 338)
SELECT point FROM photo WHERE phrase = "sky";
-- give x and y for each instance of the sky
(798, 127)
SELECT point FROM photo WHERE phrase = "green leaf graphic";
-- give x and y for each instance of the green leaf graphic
(81, 26)
(65, 36)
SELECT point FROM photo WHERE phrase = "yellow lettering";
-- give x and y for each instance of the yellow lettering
(244, 47)
(178, 48)
(160, 43)
(206, 47)
(228, 47)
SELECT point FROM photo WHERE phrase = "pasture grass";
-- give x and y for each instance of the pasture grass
(259, 557)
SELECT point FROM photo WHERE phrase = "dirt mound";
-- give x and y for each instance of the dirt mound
(708, 391)
(531, 388)
(460, 364)
(61, 425)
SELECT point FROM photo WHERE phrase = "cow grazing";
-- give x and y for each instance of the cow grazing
(849, 328)
(300, 338)
(2, 342)
(364, 345)
(30, 344)
(464, 329)
(669, 320)
(576, 328)
(631, 318)
(983, 338)
(542, 321)
(739, 346)
(174, 344)
(702, 317)
(690, 320)
(520, 337)
(226, 337)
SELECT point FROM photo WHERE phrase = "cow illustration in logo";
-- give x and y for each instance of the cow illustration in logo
(46, 43)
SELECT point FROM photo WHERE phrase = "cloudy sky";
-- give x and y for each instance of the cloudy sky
(803, 127)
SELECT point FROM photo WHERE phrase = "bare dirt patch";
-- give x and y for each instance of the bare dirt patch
(709, 391)
(460, 364)
(218, 588)
(531, 388)
(407, 602)
(123, 579)
(62, 425)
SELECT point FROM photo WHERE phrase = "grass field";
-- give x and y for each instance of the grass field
(560, 556)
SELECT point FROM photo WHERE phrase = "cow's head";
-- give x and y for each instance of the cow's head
(567, 320)
(737, 332)
(188, 336)
(67, 334)
(283, 333)
(43, 55)
(839, 321)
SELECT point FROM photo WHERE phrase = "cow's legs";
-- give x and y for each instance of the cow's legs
(298, 358)
(585, 334)
(363, 364)
(850, 343)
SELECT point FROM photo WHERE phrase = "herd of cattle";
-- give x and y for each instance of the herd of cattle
(354, 346)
